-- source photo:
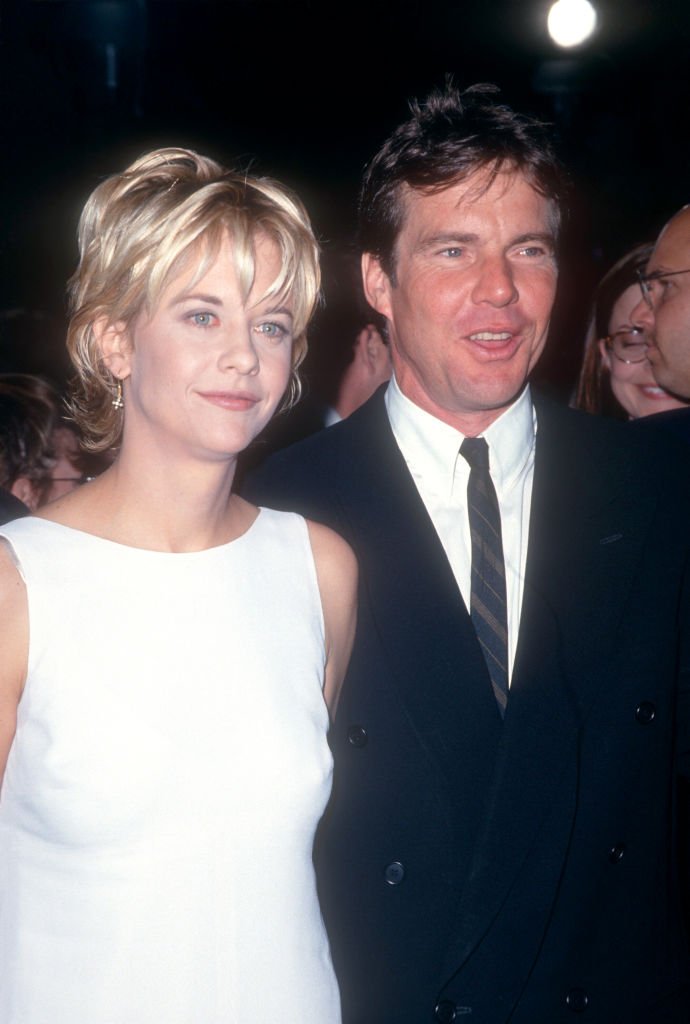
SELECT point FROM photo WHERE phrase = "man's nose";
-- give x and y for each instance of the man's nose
(495, 282)
(642, 315)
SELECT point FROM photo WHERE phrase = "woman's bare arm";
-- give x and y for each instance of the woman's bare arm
(14, 647)
(336, 569)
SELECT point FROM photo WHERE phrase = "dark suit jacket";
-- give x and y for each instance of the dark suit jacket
(676, 420)
(524, 870)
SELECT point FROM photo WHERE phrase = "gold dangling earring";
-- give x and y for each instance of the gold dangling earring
(117, 402)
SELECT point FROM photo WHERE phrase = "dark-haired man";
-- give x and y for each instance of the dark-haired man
(500, 843)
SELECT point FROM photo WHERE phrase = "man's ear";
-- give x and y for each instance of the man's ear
(377, 285)
(114, 345)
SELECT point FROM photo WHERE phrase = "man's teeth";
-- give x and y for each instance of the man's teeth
(491, 336)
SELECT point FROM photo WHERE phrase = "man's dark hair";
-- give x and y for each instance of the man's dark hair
(448, 137)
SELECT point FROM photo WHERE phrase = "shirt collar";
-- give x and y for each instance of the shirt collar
(422, 436)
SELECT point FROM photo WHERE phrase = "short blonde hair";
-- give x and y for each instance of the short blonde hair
(141, 228)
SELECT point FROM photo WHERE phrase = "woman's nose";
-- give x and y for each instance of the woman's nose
(239, 353)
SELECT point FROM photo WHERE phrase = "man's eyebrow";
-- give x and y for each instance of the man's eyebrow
(446, 238)
(545, 237)
(450, 238)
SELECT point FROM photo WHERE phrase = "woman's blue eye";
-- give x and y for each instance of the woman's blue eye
(202, 319)
(272, 329)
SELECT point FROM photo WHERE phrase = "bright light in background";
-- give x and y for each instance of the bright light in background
(570, 22)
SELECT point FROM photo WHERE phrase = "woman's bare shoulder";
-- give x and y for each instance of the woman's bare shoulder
(337, 572)
(12, 587)
(13, 604)
(333, 556)
(14, 644)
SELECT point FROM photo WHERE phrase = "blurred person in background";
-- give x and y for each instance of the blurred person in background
(663, 310)
(28, 420)
(616, 378)
(40, 453)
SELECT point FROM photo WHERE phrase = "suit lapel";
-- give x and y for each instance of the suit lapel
(584, 543)
(418, 610)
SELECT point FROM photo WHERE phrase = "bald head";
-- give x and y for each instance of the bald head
(668, 317)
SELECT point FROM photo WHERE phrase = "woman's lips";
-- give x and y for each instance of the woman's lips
(236, 401)
(653, 392)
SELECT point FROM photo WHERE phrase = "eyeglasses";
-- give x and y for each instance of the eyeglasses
(628, 345)
(77, 480)
(652, 285)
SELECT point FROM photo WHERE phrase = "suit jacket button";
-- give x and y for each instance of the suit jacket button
(394, 873)
(445, 1011)
(616, 853)
(645, 712)
(577, 1000)
(357, 736)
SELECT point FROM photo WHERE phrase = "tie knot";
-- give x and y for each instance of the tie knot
(476, 451)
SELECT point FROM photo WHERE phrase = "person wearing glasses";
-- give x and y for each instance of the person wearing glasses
(663, 311)
(616, 378)
(170, 653)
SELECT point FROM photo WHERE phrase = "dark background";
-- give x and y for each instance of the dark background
(306, 91)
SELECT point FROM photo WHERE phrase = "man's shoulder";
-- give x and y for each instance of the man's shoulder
(675, 421)
(302, 476)
(608, 447)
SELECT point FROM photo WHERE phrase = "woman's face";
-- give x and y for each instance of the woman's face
(633, 383)
(204, 373)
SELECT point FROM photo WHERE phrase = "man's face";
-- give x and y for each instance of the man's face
(668, 321)
(475, 278)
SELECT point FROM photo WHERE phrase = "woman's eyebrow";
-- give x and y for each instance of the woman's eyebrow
(211, 300)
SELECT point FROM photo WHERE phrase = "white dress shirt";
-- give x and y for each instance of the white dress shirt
(431, 450)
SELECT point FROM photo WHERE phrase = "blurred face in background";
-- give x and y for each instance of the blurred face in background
(668, 319)
(633, 384)
(67, 472)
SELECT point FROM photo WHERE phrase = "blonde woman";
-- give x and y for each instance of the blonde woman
(169, 651)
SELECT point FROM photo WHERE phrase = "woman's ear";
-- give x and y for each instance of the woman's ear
(114, 345)
(605, 354)
(26, 491)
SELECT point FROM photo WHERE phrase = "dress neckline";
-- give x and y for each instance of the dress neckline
(116, 545)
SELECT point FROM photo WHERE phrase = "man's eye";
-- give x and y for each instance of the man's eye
(453, 251)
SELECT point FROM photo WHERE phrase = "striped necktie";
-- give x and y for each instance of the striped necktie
(488, 589)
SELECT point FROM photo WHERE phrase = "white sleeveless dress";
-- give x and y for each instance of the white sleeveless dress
(169, 769)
